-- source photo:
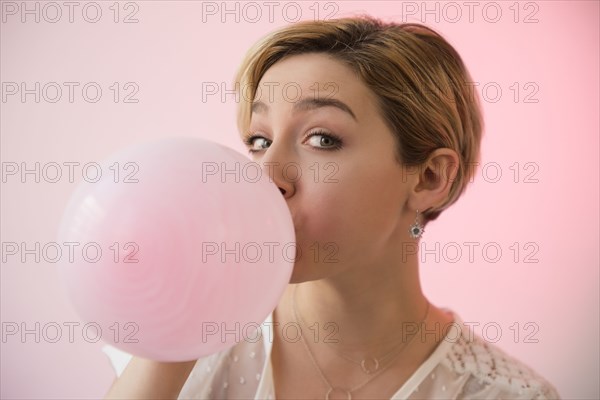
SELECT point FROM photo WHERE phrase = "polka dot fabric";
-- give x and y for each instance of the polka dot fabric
(463, 366)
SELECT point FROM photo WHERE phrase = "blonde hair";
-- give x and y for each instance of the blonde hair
(420, 82)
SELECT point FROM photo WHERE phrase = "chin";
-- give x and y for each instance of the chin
(299, 276)
(311, 272)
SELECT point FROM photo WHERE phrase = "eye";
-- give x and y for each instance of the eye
(324, 141)
(320, 140)
(262, 143)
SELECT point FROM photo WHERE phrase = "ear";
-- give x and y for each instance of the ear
(434, 180)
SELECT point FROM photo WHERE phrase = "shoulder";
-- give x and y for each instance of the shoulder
(489, 372)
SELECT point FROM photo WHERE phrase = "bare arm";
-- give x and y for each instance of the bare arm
(148, 379)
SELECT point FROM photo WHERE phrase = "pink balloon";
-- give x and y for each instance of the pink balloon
(181, 249)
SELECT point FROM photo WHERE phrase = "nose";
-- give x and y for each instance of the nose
(277, 163)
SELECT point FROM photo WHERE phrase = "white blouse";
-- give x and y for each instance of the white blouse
(462, 366)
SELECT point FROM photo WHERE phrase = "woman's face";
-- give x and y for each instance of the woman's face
(333, 160)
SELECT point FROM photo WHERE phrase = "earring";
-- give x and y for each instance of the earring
(416, 229)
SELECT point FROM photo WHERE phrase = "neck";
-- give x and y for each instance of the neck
(366, 308)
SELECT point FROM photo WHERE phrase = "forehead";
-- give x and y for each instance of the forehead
(312, 75)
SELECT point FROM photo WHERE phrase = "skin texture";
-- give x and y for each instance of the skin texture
(351, 220)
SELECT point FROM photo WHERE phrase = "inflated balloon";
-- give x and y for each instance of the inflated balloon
(181, 248)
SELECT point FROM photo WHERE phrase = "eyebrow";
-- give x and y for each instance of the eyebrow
(307, 103)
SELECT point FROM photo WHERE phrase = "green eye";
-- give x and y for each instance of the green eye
(326, 141)
(250, 141)
(322, 141)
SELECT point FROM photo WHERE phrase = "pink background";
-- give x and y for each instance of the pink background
(170, 52)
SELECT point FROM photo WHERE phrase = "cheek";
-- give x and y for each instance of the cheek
(324, 217)
(345, 225)
(360, 209)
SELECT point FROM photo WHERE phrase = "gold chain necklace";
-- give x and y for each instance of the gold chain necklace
(374, 373)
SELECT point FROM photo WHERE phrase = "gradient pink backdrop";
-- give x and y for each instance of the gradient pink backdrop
(171, 52)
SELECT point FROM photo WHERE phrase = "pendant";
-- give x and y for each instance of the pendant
(369, 369)
(337, 391)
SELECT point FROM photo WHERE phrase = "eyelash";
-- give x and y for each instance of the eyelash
(249, 137)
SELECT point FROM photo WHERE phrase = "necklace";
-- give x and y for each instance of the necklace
(369, 365)
(397, 350)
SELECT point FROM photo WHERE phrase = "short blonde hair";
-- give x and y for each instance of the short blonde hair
(421, 84)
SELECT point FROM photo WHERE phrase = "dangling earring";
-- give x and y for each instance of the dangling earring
(416, 229)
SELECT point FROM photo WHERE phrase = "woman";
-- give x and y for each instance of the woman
(368, 130)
